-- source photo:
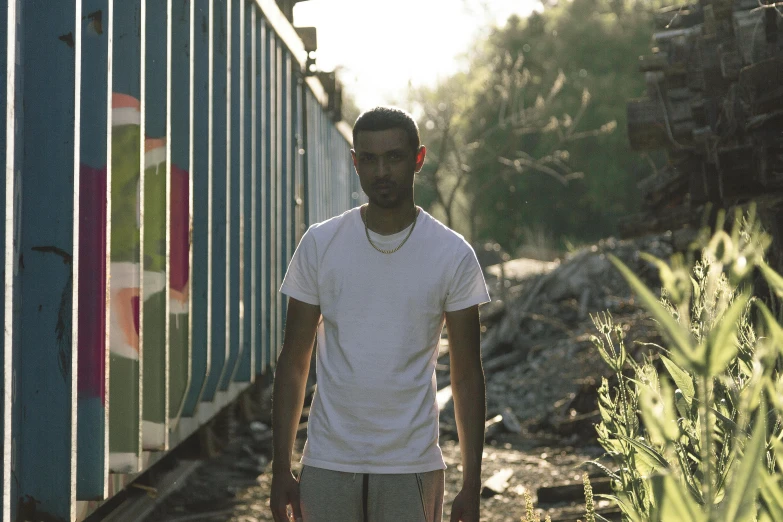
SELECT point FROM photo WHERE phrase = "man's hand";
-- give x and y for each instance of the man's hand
(285, 492)
(465, 507)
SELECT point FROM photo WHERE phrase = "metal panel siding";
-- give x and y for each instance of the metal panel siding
(94, 185)
(262, 205)
(193, 169)
(181, 213)
(47, 376)
(201, 28)
(236, 104)
(13, 140)
(156, 219)
(220, 171)
(285, 180)
(280, 195)
(246, 365)
(126, 235)
(7, 156)
(299, 160)
(271, 196)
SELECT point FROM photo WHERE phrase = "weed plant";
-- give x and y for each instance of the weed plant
(694, 428)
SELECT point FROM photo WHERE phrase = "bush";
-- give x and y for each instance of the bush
(694, 428)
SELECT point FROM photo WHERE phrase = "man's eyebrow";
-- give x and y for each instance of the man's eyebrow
(398, 150)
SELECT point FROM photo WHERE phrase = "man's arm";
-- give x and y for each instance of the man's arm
(291, 372)
(468, 391)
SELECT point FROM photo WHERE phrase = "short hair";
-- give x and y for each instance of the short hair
(385, 118)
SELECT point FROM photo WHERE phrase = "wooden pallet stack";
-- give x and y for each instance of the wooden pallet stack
(714, 103)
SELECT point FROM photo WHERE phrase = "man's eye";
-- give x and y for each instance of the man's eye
(395, 156)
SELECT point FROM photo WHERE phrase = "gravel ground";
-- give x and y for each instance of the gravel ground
(234, 486)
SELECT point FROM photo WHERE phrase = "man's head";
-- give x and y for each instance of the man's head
(387, 153)
(385, 118)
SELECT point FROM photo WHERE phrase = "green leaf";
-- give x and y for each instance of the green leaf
(671, 503)
(773, 278)
(740, 505)
(773, 496)
(625, 505)
(774, 331)
(678, 335)
(681, 378)
(648, 453)
(608, 472)
(722, 342)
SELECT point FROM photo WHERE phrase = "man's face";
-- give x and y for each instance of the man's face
(386, 163)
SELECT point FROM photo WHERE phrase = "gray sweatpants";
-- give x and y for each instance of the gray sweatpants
(336, 496)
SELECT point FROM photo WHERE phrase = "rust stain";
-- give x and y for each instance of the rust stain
(63, 329)
(28, 510)
(96, 21)
(68, 39)
(67, 258)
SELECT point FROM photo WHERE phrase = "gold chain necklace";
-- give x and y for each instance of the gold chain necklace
(393, 250)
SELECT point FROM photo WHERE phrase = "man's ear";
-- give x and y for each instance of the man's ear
(353, 157)
(420, 154)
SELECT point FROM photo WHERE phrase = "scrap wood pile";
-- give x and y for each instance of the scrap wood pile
(714, 104)
(541, 369)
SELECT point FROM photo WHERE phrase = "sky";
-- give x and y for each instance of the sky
(380, 47)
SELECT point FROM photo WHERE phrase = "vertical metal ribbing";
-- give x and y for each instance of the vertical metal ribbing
(180, 215)
(156, 157)
(49, 260)
(279, 215)
(220, 182)
(234, 194)
(8, 95)
(92, 426)
(107, 292)
(201, 101)
(167, 233)
(246, 362)
(272, 203)
(262, 191)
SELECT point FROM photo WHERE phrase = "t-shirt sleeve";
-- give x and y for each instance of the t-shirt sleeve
(301, 278)
(467, 287)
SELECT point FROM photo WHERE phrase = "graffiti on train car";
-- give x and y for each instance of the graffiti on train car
(179, 287)
(154, 266)
(124, 285)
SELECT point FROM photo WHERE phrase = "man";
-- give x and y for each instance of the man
(384, 277)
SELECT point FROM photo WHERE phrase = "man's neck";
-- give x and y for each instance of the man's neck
(387, 221)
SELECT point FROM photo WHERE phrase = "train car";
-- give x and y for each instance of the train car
(162, 159)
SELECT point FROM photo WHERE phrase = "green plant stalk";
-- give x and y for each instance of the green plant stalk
(705, 447)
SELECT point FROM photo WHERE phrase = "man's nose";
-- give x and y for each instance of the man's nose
(381, 171)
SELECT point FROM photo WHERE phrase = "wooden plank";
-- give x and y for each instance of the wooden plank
(572, 492)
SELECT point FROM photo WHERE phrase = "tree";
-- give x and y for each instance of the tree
(525, 138)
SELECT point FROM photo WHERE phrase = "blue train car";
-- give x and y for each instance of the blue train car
(162, 159)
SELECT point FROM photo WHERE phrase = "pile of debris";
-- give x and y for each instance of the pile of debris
(541, 368)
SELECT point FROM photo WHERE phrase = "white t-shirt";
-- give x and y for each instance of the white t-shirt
(374, 410)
